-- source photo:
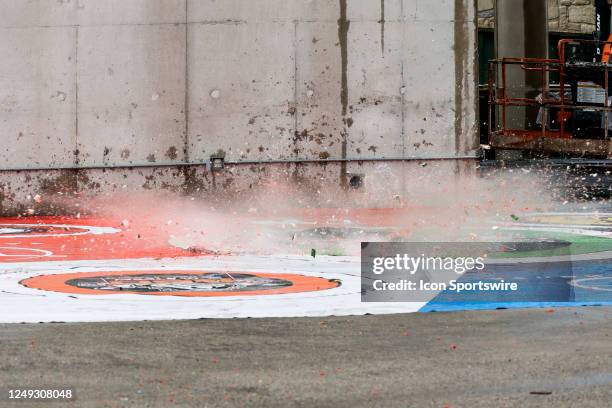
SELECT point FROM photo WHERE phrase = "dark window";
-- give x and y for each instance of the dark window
(486, 52)
(553, 52)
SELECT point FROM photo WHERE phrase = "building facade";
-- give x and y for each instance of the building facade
(567, 16)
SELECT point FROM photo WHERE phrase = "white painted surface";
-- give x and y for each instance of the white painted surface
(21, 304)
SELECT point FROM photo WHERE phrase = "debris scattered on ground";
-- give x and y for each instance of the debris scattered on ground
(540, 392)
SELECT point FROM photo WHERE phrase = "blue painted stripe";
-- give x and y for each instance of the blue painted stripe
(456, 307)
(563, 284)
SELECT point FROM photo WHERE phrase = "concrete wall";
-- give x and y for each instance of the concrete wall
(108, 83)
(573, 16)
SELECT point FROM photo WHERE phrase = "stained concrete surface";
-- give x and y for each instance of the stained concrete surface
(145, 84)
(526, 358)
(150, 82)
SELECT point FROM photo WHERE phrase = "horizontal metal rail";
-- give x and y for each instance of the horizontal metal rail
(606, 163)
(527, 102)
(247, 162)
(498, 97)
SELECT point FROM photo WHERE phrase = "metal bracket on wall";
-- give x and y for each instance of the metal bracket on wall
(217, 163)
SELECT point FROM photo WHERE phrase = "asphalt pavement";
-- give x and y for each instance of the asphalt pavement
(507, 358)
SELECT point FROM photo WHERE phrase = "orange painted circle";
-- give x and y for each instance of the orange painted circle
(177, 282)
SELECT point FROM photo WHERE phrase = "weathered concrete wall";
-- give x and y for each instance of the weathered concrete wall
(573, 16)
(156, 82)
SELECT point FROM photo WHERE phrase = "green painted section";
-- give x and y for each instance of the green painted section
(579, 244)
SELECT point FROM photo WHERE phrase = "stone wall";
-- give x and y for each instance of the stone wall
(486, 13)
(572, 16)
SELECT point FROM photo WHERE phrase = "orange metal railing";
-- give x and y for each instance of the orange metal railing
(499, 100)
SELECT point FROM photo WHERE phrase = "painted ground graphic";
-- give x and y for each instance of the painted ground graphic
(86, 269)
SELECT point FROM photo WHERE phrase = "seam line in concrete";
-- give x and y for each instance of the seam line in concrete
(228, 22)
(295, 78)
(186, 154)
(76, 97)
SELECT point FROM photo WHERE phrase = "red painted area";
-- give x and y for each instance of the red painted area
(337, 217)
(69, 238)
(44, 243)
(57, 283)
